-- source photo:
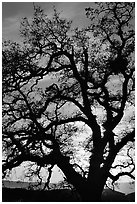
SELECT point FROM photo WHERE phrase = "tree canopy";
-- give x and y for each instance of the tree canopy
(59, 83)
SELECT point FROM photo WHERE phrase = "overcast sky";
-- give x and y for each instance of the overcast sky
(12, 12)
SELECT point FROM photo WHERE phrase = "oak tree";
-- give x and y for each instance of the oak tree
(60, 82)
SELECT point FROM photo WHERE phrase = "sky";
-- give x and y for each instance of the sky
(12, 13)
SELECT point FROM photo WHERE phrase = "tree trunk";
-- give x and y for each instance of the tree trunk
(92, 193)
(94, 188)
(88, 190)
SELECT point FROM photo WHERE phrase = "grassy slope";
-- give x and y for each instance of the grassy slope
(64, 195)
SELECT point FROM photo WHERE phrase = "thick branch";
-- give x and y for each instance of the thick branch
(68, 120)
(115, 178)
(41, 161)
(124, 140)
(12, 163)
(67, 98)
(72, 176)
(119, 116)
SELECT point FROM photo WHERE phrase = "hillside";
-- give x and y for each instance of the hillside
(21, 192)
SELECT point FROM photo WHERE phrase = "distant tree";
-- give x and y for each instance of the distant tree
(58, 80)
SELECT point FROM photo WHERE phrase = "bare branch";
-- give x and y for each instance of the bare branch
(49, 177)
(115, 178)
(124, 140)
(68, 120)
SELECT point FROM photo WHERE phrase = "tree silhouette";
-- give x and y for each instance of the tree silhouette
(58, 80)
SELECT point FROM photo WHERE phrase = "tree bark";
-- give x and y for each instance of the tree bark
(89, 190)
(72, 176)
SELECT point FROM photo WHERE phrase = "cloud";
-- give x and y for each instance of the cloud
(68, 9)
(14, 11)
(74, 11)
(10, 29)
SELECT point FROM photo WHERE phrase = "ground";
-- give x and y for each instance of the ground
(58, 195)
